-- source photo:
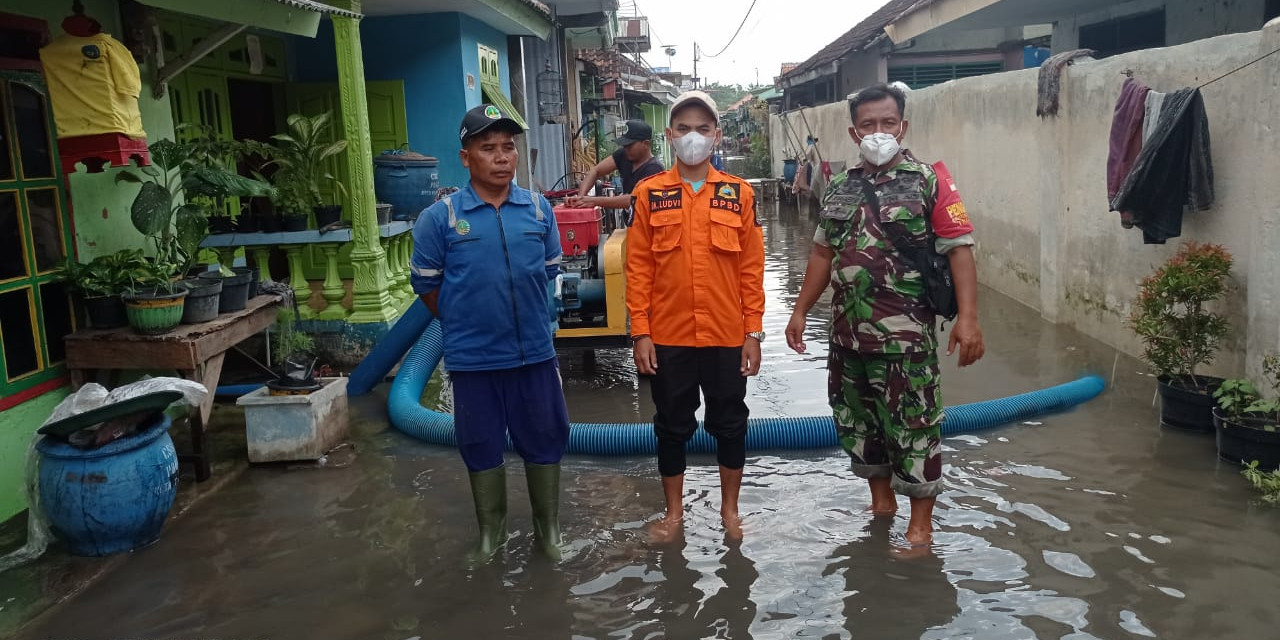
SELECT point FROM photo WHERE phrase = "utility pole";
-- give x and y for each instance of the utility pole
(695, 64)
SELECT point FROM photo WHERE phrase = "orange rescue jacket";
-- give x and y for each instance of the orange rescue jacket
(695, 262)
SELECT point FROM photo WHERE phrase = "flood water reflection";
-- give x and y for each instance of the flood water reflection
(1089, 524)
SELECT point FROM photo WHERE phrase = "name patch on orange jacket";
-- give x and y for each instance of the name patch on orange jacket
(665, 200)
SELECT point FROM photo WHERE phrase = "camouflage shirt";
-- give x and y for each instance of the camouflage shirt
(877, 305)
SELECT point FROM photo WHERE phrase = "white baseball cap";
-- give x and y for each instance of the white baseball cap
(696, 97)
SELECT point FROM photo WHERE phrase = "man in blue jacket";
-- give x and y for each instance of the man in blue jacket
(482, 261)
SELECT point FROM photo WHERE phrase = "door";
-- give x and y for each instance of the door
(387, 130)
(35, 238)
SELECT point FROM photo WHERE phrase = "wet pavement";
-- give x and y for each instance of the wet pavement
(1090, 524)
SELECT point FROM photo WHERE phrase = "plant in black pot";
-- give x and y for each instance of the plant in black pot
(301, 155)
(1248, 425)
(1180, 333)
(294, 360)
(186, 182)
(100, 282)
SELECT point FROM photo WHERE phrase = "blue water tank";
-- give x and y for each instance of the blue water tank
(1033, 57)
(407, 181)
(111, 499)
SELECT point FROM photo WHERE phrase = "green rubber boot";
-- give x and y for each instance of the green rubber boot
(544, 496)
(489, 490)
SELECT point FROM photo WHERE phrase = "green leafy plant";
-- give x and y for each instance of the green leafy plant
(107, 275)
(1269, 407)
(179, 190)
(300, 156)
(1239, 397)
(1235, 396)
(288, 341)
(1171, 316)
(1267, 482)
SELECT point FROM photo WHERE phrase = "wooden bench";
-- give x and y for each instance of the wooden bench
(195, 351)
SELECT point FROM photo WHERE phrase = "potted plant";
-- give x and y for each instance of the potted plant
(155, 303)
(300, 156)
(300, 415)
(100, 282)
(191, 172)
(1248, 425)
(1180, 333)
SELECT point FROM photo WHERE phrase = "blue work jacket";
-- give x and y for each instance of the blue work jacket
(492, 267)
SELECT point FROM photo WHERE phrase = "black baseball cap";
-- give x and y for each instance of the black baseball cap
(486, 117)
(636, 131)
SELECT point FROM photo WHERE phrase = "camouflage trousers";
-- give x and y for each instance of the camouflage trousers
(888, 416)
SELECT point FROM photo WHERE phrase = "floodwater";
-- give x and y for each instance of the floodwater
(1089, 524)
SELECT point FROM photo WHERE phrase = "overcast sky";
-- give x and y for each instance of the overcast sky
(777, 31)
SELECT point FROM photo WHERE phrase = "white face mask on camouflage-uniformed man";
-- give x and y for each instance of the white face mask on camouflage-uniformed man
(879, 148)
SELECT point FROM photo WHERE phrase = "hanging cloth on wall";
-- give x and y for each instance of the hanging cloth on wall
(1049, 83)
(93, 86)
(1126, 135)
(1173, 171)
(1151, 114)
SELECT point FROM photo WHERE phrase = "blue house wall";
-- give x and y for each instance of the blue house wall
(433, 54)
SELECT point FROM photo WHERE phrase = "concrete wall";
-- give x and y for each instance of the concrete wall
(433, 53)
(1036, 188)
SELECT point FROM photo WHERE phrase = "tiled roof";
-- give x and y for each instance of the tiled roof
(613, 64)
(858, 37)
(538, 6)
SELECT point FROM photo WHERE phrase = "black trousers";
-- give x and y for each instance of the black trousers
(682, 372)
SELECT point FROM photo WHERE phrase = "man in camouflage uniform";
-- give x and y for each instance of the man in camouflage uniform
(883, 365)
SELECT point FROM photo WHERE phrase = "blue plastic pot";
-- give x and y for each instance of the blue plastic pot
(111, 499)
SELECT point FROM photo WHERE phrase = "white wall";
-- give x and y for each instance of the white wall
(1036, 188)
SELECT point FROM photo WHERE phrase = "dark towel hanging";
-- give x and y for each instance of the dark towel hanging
(1173, 171)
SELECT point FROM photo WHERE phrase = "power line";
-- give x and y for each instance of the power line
(735, 33)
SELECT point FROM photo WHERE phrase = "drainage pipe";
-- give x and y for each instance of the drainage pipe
(603, 439)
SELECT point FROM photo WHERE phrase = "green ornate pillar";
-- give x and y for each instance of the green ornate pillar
(298, 281)
(333, 292)
(371, 301)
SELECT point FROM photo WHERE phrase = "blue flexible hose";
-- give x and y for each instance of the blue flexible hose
(373, 369)
(237, 390)
(604, 439)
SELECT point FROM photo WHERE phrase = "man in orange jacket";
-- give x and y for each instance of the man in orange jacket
(695, 291)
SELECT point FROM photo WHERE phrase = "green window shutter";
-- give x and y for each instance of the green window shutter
(494, 95)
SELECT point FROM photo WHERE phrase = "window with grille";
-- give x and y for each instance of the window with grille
(1122, 35)
(926, 75)
(35, 237)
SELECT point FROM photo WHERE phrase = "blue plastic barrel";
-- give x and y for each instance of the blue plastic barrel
(407, 181)
(789, 170)
(111, 499)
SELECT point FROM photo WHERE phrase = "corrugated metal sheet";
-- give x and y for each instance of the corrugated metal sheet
(310, 5)
(547, 139)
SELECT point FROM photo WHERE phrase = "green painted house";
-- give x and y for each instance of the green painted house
(391, 71)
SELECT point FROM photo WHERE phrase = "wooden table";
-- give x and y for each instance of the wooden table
(196, 351)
